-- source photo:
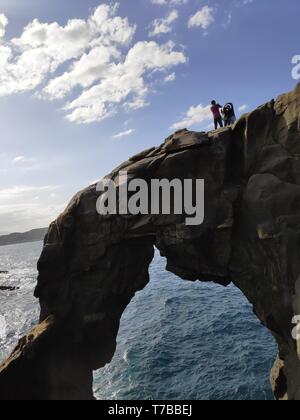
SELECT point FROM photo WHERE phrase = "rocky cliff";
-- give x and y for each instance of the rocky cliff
(92, 265)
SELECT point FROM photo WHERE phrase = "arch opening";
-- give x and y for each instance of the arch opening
(183, 340)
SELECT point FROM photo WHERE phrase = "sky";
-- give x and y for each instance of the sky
(84, 84)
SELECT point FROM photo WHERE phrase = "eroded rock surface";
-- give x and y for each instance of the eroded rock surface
(92, 265)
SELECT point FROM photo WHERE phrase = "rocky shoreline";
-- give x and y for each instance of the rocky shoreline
(8, 288)
(4, 288)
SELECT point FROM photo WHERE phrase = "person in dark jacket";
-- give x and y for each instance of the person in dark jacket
(215, 109)
(229, 114)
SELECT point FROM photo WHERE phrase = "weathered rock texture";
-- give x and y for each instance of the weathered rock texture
(92, 265)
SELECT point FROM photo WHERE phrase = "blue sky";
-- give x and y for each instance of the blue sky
(86, 84)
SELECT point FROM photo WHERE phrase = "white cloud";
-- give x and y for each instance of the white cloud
(84, 72)
(127, 122)
(228, 21)
(21, 191)
(3, 24)
(122, 81)
(194, 116)
(123, 134)
(19, 159)
(169, 2)
(136, 103)
(29, 60)
(25, 207)
(243, 108)
(170, 78)
(28, 215)
(99, 62)
(164, 25)
(203, 18)
(22, 159)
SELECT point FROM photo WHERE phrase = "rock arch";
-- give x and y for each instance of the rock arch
(92, 266)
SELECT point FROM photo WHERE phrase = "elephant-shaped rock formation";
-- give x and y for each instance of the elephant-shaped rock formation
(92, 265)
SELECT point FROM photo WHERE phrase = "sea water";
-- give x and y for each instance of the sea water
(178, 340)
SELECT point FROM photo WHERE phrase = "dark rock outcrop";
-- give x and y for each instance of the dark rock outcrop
(8, 288)
(4, 288)
(92, 265)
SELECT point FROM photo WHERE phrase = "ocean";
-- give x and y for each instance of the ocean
(178, 340)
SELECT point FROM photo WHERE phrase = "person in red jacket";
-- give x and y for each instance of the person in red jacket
(215, 109)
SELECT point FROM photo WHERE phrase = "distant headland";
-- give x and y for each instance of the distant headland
(34, 235)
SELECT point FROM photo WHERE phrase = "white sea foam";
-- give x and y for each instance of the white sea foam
(18, 309)
(2, 327)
